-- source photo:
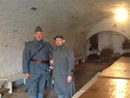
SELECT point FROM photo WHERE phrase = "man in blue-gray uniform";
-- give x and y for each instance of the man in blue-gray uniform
(36, 65)
(63, 68)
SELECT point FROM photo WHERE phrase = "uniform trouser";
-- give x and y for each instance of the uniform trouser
(37, 88)
(39, 95)
(62, 96)
(59, 91)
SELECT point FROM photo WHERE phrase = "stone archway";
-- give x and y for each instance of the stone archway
(107, 44)
(111, 24)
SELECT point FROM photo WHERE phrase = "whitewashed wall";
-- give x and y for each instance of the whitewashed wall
(18, 20)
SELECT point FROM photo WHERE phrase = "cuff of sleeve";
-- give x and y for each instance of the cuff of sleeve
(71, 73)
(50, 58)
(25, 72)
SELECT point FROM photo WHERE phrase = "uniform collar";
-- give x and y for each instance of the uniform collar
(36, 42)
(40, 42)
(61, 48)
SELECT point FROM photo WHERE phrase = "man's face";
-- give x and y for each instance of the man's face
(59, 42)
(38, 36)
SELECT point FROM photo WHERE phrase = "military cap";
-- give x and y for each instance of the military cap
(38, 28)
(59, 36)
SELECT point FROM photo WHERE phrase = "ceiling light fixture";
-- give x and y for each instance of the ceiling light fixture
(121, 14)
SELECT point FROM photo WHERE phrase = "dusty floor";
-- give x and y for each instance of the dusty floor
(83, 73)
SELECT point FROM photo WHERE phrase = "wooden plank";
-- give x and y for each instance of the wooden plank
(13, 77)
(117, 70)
(16, 77)
(77, 95)
(3, 90)
(108, 88)
(123, 60)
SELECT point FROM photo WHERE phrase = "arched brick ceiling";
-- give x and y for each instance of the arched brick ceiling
(61, 15)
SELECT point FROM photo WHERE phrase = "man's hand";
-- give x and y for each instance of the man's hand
(27, 75)
(52, 62)
(69, 79)
(51, 67)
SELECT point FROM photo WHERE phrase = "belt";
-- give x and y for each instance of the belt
(39, 61)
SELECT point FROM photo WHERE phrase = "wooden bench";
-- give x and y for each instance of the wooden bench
(3, 90)
(78, 58)
(1, 84)
(108, 88)
(7, 81)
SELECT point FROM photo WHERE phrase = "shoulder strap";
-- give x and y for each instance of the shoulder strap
(50, 46)
(44, 50)
(37, 52)
(66, 52)
(50, 56)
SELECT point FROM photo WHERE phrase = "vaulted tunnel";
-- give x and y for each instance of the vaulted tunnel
(89, 27)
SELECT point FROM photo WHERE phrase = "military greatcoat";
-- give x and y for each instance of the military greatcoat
(63, 67)
(39, 72)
